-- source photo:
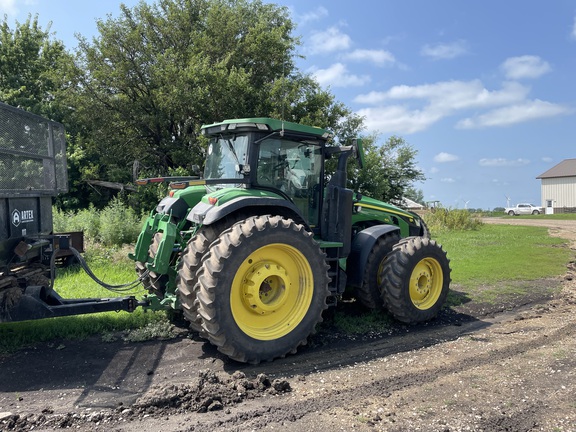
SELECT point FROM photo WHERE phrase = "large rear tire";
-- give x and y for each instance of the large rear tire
(416, 279)
(369, 293)
(263, 287)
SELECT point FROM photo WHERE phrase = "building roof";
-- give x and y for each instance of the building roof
(566, 168)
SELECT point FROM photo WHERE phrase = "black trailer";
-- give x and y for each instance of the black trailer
(32, 172)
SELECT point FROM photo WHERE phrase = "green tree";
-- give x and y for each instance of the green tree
(155, 74)
(389, 170)
(416, 195)
(30, 64)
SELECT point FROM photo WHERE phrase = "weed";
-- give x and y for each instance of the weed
(561, 354)
(153, 330)
(115, 225)
(442, 219)
(119, 224)
(363, 323)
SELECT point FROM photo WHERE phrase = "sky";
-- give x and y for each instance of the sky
(485, 92)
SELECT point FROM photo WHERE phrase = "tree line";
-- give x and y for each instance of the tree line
(133, 98)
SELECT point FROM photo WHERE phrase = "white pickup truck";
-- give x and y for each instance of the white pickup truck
(523, 209)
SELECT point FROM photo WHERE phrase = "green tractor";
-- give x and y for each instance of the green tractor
(254, 252)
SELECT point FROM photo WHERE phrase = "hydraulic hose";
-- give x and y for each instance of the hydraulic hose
(122, 288)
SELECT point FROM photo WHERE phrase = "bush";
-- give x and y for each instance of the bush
(115, 225)
(119, 224)
(86, 220)
(441, 219)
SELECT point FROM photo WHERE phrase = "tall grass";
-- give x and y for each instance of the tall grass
(115, 225)
(442, 219)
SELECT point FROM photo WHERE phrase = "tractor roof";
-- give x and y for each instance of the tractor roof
(264, 124)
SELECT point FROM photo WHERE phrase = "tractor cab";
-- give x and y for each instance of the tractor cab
(283, 159)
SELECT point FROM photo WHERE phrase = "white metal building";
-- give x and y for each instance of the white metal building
(558, 187)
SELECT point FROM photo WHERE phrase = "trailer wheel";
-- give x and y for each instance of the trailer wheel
(369, 293)
(263, 287)
(416, 279)
(153, 282)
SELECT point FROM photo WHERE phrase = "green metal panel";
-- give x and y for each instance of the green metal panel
(369, 209)
(192, 194)
(270, 125)
(228, 194)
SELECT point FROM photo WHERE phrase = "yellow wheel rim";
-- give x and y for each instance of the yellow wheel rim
(426, 283)
(272, 291)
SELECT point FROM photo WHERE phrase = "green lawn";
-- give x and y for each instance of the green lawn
(497, 253)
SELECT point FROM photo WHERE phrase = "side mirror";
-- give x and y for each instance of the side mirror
(358, 147)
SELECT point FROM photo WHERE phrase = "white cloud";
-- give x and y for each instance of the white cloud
(409, 109)
(547, 159)
(502, 162)
(338, 75)
(313, 15)
(450, 95)
(8, 7)
(329, 41)
(378, 57)
(445, 51)
(445, 157)
(513, 114)
(397, 119)
(573, 32)
(527, 66)
(434, 170)
(448, 180)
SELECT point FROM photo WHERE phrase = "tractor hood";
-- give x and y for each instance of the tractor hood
(372, 204)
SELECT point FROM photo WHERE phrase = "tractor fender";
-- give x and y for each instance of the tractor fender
(177, 206)
(206, 214)
(362, 244)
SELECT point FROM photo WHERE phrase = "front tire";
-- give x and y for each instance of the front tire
(263, 288)
(416, 280)
(511, 213)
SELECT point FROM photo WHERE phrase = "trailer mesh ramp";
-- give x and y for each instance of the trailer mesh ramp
(32, 154)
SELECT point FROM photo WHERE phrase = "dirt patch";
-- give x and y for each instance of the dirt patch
(477, 367)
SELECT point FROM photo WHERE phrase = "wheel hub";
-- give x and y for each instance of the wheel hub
(425, 283)
(264, 287)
